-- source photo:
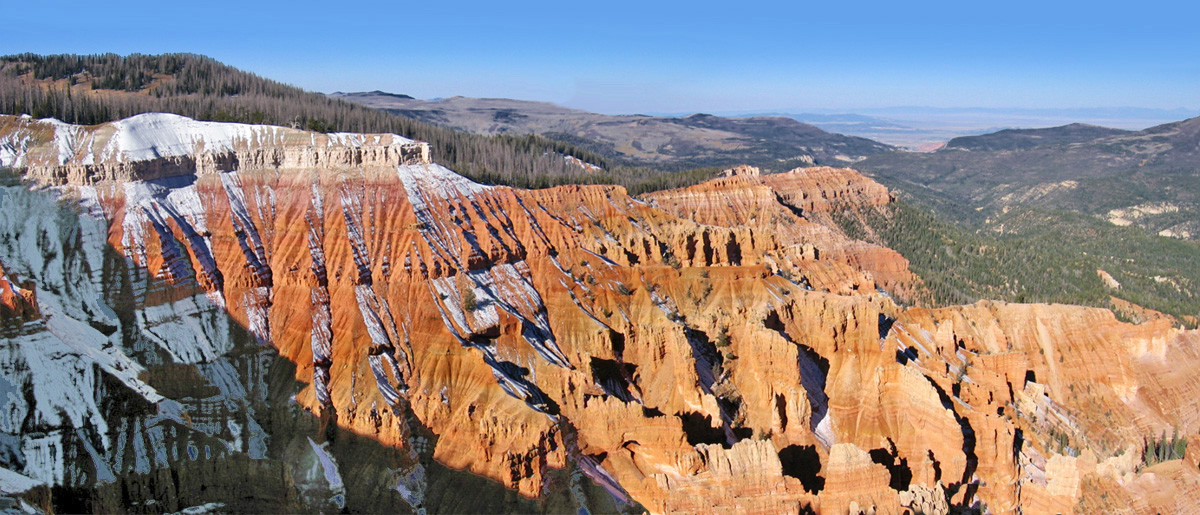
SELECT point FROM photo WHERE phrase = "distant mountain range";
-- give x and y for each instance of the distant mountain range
(909, 127)
(916, 127)
(1145, 178)
(908, 135)
(1023, 139)
(1148, 178)
(670, 142)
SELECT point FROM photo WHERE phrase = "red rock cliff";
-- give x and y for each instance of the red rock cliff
(718, 348)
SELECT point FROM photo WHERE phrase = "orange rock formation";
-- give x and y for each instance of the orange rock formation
(16, 302)
(722, 348)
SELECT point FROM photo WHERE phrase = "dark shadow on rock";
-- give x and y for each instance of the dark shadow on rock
(803, 463)
(699, 429)
(901, 474)
(614, 377)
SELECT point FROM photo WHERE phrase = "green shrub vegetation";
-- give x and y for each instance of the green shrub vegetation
(469, 303)
(1161, 448)
(1041, 256)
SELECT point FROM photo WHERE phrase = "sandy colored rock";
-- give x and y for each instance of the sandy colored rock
(855, 484)
(722, 348)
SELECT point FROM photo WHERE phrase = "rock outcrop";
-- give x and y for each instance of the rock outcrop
(789, 214)
(718, 348)
(18, 303)
(160, 145)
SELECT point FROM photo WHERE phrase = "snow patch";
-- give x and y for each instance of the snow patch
(13, 148)
(212, 507)
(14, 483)
(154, 135)
(411, 486)
(328, 464)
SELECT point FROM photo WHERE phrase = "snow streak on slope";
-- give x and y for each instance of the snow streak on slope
(329, 468)
(374, 309)
(160, 203)
(70, 139)
(13, 147)
(433, 190)
(77, 360)
(246, 230)
(256, 300)
(430, 188)
(58, 358)
(12, 482)
(166, 206)
(62, 255)
(322, 317)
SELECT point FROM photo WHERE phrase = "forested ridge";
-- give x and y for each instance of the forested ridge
(93, 89)
(1041, 256)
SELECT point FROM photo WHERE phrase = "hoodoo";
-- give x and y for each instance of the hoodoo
(334, 321)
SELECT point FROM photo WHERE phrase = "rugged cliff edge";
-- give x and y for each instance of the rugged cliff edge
(338, 313)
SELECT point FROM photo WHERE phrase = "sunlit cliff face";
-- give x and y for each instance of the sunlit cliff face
(332, 321)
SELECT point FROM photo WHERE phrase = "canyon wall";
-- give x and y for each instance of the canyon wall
(378, 331)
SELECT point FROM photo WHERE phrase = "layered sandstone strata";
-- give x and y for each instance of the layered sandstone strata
(718, 348)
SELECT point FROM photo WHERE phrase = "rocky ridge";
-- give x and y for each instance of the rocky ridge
(159, 145)
(678, 142)
(719, 348)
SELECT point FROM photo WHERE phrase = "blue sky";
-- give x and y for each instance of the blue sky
(642, 56)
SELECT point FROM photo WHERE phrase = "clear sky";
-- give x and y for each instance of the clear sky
(644, 56)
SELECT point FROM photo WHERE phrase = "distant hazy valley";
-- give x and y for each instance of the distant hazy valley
(673, 142)
(912, 128)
